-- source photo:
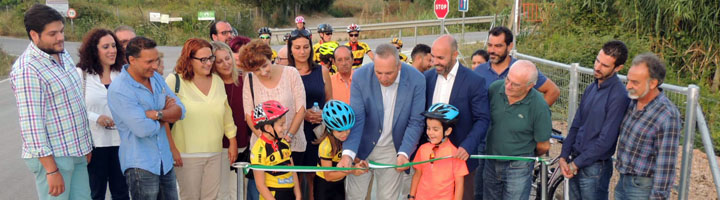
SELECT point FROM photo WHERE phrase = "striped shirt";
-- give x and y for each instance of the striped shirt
(648, 144)
(53, 119)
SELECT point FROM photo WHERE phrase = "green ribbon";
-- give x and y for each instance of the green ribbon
(374, 165)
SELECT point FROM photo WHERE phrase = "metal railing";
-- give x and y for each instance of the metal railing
(572, 79)
(279, 32)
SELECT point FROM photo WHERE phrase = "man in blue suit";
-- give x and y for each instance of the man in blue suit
(388, 98)
(452, 83)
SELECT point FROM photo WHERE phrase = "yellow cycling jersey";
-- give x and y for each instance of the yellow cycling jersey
(359, 50)
(263, 153)
(325, 153)
(274, 56)
(403, 57)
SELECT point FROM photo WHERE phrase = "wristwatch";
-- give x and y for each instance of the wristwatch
(159, 115)
(410, 196)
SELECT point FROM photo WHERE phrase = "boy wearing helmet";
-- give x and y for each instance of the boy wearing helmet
(399, 45)
(444, 178)
(273, 149)
(325, 32)
(265, 34)
(338, 118)
(359, 49)
(324, 53)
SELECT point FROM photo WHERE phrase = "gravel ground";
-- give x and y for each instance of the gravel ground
(701, 180)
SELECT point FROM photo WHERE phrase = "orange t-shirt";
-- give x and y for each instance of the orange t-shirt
(341, 87)
(437, 181)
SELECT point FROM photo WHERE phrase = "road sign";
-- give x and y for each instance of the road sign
(441, 8)
(61, 6)
(71, 13)
(206, 16)
(463, 5)
(155, 17)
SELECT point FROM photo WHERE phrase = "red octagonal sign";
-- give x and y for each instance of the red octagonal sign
(441, 8)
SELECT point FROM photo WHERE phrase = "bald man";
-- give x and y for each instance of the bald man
(452, 83)
(282, 58)
(520, 126)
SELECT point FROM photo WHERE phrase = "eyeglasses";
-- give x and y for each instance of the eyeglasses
(227, 33)
(206, 59)
(265, 37)
(513, 84)
(297, 33)
(354, 35)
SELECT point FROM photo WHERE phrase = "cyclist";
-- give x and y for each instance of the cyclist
(265, 34)
(359, 49)
(399, 45)
(325, 31)
(324, 53)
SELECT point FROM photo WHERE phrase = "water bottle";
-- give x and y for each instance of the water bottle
(315, 108)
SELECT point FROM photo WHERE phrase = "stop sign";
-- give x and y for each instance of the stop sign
(441, 8)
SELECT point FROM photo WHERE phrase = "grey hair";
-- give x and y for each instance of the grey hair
(124, 28)
(530, 68)
(224, 47)
(655, 66)
(387, 49)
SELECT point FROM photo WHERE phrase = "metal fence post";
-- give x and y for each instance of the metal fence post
(707, 142)
(543, 181)
(415, 35)
(400, 34)
(241, 179)
(573, 92)
(692, 99)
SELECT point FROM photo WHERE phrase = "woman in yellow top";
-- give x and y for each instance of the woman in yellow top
(208, 118)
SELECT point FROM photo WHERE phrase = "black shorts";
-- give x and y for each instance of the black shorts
(325, 190)
(283, 193)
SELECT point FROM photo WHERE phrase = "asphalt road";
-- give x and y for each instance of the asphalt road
(17, 181)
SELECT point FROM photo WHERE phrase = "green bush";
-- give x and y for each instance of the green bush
(6, 62)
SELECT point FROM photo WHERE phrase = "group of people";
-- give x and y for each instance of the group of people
(113, 119)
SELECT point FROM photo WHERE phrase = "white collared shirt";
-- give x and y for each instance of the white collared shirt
(389, 96)
(97, 104)
(443, 86)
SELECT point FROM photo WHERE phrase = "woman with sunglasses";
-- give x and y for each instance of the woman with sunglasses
(318, 90)
(359, 49)
(101, 60)
(208, 117)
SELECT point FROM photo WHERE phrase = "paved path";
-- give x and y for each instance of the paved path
(18, 183)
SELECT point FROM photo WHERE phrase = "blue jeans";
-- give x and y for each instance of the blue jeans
(508, 180)
(252, 192)
(479, 176)
(591, 182)
(633, 187)
(145, 185)
(74, 174)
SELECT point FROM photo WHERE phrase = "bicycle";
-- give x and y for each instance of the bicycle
(554, 175)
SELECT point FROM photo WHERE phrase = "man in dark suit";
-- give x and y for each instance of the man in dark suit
(452, 83)
(388, 98)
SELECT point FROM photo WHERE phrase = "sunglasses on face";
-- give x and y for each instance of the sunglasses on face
(354, 35)
(327, 33)
(206, 59)
(265, 37)
(297, 33)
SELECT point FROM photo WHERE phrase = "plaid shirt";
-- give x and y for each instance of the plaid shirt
(648, 144)
(53, 118)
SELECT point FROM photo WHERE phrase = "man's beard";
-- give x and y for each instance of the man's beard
(501, 58)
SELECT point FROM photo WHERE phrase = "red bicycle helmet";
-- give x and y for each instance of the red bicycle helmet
(267, 112)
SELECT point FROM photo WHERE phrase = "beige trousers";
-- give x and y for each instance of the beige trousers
(199, 177)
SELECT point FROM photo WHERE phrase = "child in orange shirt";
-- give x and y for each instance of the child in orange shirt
(441, 179)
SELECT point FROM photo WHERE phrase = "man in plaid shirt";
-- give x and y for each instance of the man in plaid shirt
(52, 115)
(649, 134)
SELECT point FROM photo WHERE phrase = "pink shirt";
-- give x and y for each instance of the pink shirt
(437, 181)
(290, 92)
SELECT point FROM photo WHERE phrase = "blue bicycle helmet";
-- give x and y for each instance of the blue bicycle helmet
(446, 113)
(338, 115)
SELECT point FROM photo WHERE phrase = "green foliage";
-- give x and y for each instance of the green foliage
(684, 33)
(6, 62)
(112, 13)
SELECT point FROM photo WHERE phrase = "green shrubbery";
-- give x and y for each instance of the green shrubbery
(6, 62)
(683, 33)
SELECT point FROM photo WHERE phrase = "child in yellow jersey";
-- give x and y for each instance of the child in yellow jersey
(338, 118)
(440, 179)
(271, 150)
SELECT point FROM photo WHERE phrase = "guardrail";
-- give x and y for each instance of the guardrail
(572, 79)
(279, 32)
